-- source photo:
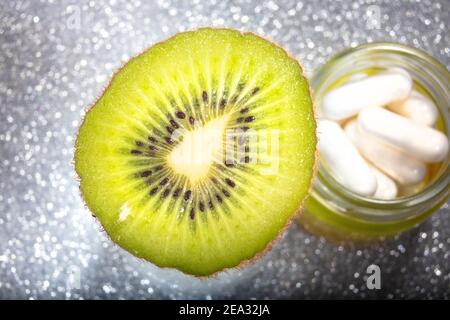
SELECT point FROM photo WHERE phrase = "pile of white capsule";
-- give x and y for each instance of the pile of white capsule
(376, 133)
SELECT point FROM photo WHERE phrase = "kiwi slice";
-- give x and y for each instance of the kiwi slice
(200, 150)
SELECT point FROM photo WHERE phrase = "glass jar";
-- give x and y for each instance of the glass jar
(336, 212)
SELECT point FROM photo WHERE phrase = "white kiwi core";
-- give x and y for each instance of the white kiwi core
(199, 149)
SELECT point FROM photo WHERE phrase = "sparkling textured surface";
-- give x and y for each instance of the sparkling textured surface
(55, 59)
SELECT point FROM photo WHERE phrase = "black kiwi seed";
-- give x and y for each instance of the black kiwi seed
(191, 120)
(136, 152)
(201, 206)
(146, 173)
(219, 198)
(255, 90)
(205, 96)
(247, 159)
(239, 120)
(234, 99)
(223, 102)
(165, 193)
(153, 148)
(240, 86)
(180, 115)
(229, 164)
(153, 191)
(164, 181)
(157, 168)
(210, 205)
(250, 119)
(187, 195)
(152, 139)
(192, 214)
(245, 129)
(177, 192)
(169, 140)
(174, 124)
(244, 110)
(225, 193)
(139, 143)
(247, 149)
(230, 182)
(169, 129)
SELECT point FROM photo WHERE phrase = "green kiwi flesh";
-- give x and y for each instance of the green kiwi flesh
(182, 98)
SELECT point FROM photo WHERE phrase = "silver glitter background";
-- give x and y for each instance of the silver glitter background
(55, 59)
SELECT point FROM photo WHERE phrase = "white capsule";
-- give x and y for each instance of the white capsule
(344, 160)
(386, 187)
(419, 141)
(372, 91)
(394, 163)
(418, 108)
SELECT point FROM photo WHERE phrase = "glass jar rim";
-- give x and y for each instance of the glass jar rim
(384, 46)
(439, 185)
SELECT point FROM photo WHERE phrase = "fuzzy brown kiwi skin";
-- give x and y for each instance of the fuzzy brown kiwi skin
(298, 211)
